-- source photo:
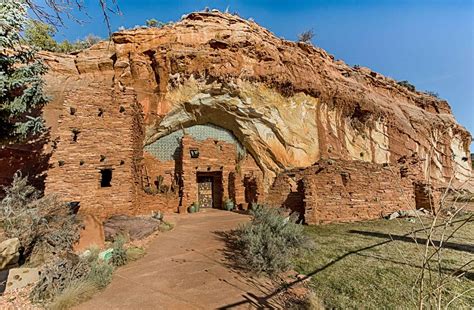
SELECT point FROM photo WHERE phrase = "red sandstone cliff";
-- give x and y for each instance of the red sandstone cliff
(289, 104)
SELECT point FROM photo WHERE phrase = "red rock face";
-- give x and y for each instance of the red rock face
(308, 106)
(289, 104)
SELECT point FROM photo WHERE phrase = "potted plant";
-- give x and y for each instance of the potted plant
(228, 204)
(192, 208)
(197, 206)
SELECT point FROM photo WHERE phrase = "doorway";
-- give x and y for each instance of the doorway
(210, 189)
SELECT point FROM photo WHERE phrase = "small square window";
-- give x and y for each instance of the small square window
(194, 153)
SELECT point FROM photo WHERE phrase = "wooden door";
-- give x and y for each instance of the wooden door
(205, 192)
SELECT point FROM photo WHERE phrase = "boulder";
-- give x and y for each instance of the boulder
(21, 277)
(92, 234)
(9, 254)
(135, 228)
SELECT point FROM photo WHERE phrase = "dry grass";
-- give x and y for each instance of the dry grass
(74, 294)
(375, 264)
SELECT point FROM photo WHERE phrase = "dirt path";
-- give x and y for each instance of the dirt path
(183, 269)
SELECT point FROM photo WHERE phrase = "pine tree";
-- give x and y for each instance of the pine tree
(21, 83)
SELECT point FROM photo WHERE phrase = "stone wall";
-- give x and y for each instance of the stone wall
(341, 190)
(214, 156)
(156, 169)
(240, 177)
(164, 202)
(99, 129)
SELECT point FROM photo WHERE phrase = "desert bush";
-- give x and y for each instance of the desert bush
(306, 36)
(45, 226)
(153, 23)
(134, 253)
(407, 85)
(436, 282)
(119, 254)
(100, 273)
(165, 226)
(270, 240)
(57, 276)
(432, 94)
(67, 281)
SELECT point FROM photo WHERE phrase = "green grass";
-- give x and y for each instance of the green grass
(357, 265)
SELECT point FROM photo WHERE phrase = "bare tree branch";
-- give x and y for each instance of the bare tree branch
(55, 11)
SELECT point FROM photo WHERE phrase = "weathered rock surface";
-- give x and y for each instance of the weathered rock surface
(91, 234)
(9, 254)
(21, 277)
(134, 227)
(290, 104)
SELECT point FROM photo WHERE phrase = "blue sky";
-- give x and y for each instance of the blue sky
(427, 42)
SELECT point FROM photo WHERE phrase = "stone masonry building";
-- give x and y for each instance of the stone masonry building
(215, 107)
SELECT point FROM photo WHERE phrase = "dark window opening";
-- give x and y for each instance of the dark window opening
(105, 177)
(75, 134)
(194, 153)
(101, 112)
(345, 176)
(72, 110)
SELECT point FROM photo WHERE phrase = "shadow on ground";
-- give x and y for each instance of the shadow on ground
(273, 288)
(233, 254)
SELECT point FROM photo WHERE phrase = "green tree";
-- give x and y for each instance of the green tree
(21, 84)
(40, 35)
(65, 47)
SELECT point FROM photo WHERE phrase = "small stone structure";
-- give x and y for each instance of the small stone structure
(217, 159)
(341, 191)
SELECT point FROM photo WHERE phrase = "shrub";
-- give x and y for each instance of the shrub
(100, 273)
(432, 94)
(306, 36)
(152, 23)
(134, 253)
(269, 242)
(119, 254)
(45, 226)
(67, 281)
(407, 85)
(57, 276)
(165, 226)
